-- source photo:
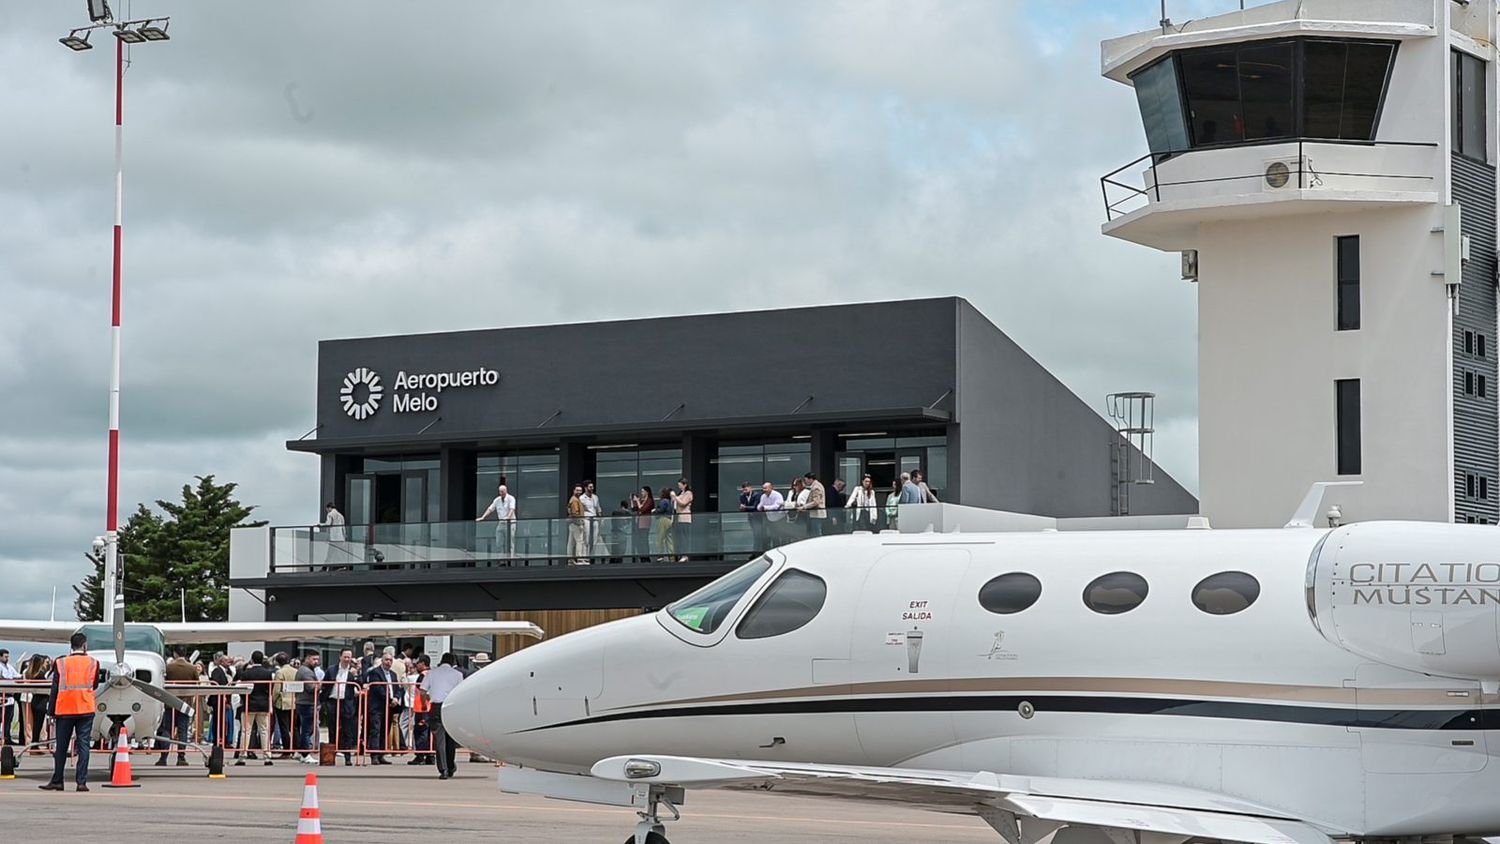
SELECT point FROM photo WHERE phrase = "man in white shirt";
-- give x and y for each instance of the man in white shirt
(504, 508)
(9, 708)
(335, 548)
(437, 685)
(591, 513)
(343, 696)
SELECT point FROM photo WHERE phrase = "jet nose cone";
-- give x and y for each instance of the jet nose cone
(464, 710)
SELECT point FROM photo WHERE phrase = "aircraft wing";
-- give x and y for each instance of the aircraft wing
(174, 632)
(37, 631)
(1022, 809)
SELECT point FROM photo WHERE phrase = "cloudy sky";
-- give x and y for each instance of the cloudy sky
(339, 169)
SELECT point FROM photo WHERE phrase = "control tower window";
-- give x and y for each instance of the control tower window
(1342, 86)
(1161, 107)
(1263, 91)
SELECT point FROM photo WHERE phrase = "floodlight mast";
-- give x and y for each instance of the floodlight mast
(125, 33)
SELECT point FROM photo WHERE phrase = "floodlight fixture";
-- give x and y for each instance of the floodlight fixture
(99, 10)
(129, 36)
(155, 30)
(75, 42)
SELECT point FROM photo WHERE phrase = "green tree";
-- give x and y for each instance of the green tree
(184, 547)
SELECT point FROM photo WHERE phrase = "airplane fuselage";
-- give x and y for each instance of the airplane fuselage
(902, 666)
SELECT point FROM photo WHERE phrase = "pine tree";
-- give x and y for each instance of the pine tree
(186, 546)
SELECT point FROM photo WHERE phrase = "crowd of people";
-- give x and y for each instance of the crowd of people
(657, 525)
(373, 706)
(809, 509)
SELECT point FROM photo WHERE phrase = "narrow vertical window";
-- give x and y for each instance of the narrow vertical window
(1469, 106)
(1468, 383)
(1348, 283)
(1484, 488)
(1468, 342)
(1479, 345)
(1483, 391)
(1471, 487)
(1346, 397)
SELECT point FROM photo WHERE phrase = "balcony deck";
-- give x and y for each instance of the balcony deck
(1176, 192)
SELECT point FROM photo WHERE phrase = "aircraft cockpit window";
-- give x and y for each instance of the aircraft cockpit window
(704, 610)
(1115, 593)
(1010, 593)
(1226, 593)
(789, 603)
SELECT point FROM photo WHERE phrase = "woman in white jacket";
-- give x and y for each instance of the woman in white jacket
(865, 504)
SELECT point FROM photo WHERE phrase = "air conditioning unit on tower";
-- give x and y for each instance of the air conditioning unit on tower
(1285, 174)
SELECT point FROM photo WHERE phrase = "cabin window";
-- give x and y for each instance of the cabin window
(1115, 593)
(705, 610)
(1226, 593)
(1010, 593)
(789, 603)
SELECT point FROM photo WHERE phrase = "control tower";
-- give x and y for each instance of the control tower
(1326, 168)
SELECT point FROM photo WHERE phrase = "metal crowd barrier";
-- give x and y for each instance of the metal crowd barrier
(355, 729)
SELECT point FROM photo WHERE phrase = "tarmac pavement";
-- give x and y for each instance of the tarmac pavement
(400, 803)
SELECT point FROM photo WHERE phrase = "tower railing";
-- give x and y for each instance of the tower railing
(1122, 198)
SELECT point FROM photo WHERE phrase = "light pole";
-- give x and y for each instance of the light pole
(125, 32)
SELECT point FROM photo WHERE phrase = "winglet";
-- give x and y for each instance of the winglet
(1307, 512)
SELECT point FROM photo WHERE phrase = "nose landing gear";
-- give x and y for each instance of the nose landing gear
(651, 829)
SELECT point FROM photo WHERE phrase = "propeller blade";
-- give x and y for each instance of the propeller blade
(119, 599)
(170, 700)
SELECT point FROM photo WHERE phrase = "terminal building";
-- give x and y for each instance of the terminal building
(1327, 169)
(415, 433)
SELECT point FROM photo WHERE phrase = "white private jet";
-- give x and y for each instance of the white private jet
(134, 692)
(1134, 687)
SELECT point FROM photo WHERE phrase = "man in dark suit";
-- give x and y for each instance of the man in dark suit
(383, 700)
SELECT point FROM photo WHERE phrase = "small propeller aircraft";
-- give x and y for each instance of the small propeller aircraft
(1128, 687)
(134, 692)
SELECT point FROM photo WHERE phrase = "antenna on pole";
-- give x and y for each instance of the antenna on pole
(54, 604)
(182, 593)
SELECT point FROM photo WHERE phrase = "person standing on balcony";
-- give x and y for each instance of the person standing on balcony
(644, 503)
(504, 510)
(334, 549)
(666, 546)
(920, 479)
(771, 504)
(682, 505)
(578, 532)
(591, 513)
(865, 504)
(750, 506)
(837, 498)
(817, 504)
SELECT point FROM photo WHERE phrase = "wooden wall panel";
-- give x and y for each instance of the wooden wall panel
(555, 622)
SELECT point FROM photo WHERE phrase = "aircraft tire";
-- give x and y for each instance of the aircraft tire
(651, 838)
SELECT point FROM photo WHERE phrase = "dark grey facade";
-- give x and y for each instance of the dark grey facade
(1476, 429)
(844, 389)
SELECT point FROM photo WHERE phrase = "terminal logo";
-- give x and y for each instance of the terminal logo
(361, 393)
(412, 392)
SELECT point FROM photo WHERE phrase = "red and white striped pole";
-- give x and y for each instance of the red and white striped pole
(112, 506)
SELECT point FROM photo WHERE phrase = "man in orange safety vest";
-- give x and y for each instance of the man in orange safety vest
(72, 705)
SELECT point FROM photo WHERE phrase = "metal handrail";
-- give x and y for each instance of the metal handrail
(1112, 208)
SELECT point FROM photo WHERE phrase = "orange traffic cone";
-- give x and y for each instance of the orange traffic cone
(310, 823)
(120, 771)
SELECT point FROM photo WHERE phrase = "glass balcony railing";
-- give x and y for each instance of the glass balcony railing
(636, 540)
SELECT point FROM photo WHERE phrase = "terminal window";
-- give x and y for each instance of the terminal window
(1347, 425)
(1348, 283)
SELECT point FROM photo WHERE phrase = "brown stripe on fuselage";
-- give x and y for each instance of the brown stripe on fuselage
(1158, 687)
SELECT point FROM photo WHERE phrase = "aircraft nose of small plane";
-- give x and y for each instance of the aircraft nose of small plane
(464, 711)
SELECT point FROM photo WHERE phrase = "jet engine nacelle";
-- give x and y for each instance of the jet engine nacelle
(1421, 596)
